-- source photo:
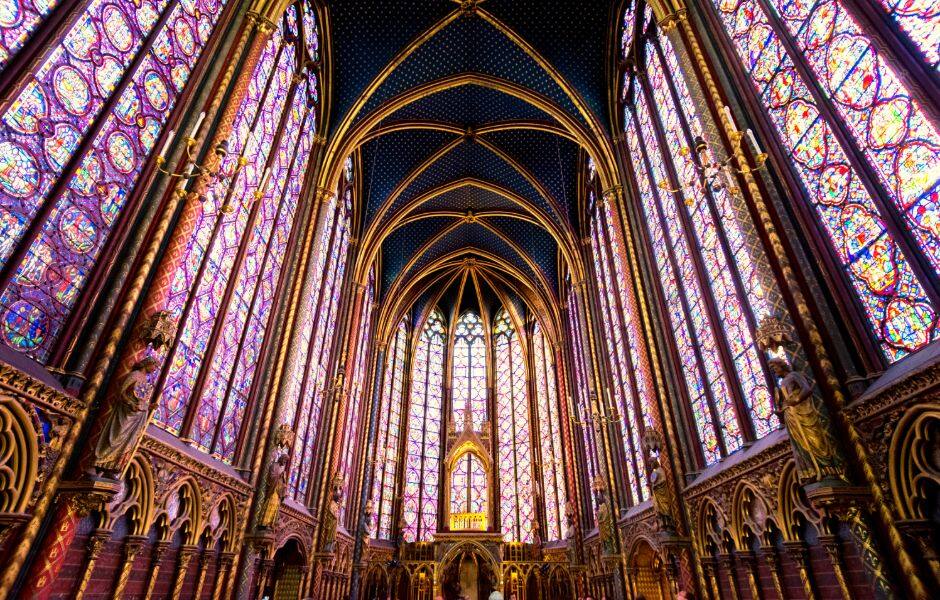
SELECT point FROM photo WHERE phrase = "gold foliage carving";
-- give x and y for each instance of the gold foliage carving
(794, 508)
(914, 460)
(136, 498)
(750, 515)
(19, 456)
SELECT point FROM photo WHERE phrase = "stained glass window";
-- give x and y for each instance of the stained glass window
(623, 349)
(469, 377)
(18, 20)
(425, 411)
(629, 24)
(468, 485)
(920, 20)
(354, 404)
(583, 402)
(863, 148)
(305, 412)
(389, 433)
(514, 460)
(550, 445)
(57, 209)
(227, 285)
(712, 270)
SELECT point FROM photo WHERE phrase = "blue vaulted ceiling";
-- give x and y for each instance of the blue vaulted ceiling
(530, 78)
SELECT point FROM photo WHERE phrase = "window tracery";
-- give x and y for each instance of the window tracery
(425, 411)
(860, 144)
(514, 460)
(67, 169)
(226, 286)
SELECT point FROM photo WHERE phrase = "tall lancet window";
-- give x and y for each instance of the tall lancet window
(389, 432)
(629, 370)
(226, 287)
(711, 267)
(314, 384)
(859, 141)
(68, 168)
(514, 461)
(553, 471)
(582, 401)
(425, 412)
(469, 377)
(354, 413)
(306, 378)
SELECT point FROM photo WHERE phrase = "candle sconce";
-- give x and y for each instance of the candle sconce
(713, 174)
(595, 419)
(194, 169)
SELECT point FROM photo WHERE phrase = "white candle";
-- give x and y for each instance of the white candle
(727, 112)
(166, 144)
(729, 180)
(753, 140)
(202, 116)
(264, 179)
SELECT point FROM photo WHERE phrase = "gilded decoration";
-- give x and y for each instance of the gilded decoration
(34, 418)
(172, 458)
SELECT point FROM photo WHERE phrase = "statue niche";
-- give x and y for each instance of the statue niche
(814, 447)
(125, 422)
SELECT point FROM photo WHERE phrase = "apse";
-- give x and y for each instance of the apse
(466, 299)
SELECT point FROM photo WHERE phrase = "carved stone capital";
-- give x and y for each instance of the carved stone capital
(798, 552)
(86, 496)
(325, 194)
(837, 498)
(96, 542)
(157, 330)
(133, 545)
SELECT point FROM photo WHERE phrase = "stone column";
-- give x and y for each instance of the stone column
(132, 546)
(830, 544)
(159, 549)
(726, 562)
(769, 555)
(800, 555)
(186, 554)
(95, 545)
(748, 561)
(221, 590)
(205, 559)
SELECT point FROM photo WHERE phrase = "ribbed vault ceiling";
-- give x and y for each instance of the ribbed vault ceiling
(469, 119)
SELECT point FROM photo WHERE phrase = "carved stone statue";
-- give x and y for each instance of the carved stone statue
(814, 447)
(368, 512)
(659, 487)
(571, 515)
(661, 494)
(605, 523)
(125, 422)
(275, 484)
(331, 518)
